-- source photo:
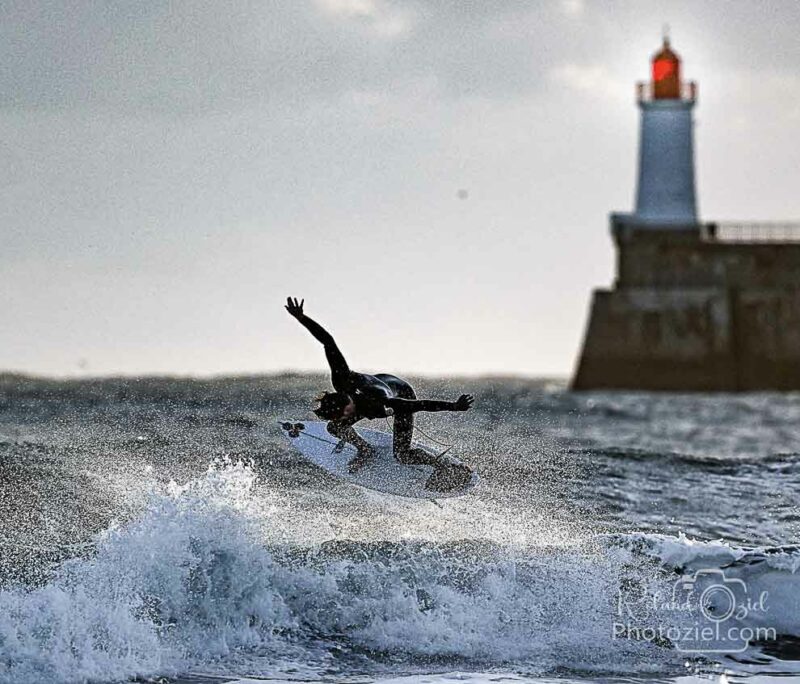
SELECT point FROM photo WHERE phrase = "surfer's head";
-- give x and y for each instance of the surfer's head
(334, 405)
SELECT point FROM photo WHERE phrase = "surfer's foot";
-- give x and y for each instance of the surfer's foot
(449, 477)
(359, 461)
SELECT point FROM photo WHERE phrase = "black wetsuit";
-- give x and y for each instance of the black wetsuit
(376, 396)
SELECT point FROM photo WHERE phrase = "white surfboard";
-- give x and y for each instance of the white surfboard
(383, 473)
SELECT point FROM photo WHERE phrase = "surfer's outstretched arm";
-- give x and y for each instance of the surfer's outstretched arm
(340, 371)
(463, 403)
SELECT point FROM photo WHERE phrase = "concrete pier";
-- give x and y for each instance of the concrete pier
(690, 311)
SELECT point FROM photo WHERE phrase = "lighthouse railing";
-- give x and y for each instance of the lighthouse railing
(751, 231)
(645, 92)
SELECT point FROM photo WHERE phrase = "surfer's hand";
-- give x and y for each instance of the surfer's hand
(294, 307)
(463, 403)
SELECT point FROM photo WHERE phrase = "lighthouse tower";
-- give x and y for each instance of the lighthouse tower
(665, 194)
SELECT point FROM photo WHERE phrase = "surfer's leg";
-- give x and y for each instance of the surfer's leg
(446, 475)
(403, 435)
(346, 432)
(404, 425)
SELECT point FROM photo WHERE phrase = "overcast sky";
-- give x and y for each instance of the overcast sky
(433, 176)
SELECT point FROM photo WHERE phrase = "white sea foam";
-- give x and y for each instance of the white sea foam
(195, 581)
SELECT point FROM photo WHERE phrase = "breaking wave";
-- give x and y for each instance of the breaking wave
(203, 579)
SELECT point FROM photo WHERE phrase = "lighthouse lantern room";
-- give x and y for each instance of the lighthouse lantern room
(666, 74)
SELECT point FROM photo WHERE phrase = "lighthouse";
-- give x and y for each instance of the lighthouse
(665, 193)
(694, 306)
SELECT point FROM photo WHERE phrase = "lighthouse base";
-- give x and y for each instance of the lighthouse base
(695, 314)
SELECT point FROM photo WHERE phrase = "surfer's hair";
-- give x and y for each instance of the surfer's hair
(331, 405)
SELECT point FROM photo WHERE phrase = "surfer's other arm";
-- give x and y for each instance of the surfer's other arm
(463, 403)
(340, 371)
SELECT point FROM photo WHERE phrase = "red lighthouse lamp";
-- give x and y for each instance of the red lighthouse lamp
(666, 74)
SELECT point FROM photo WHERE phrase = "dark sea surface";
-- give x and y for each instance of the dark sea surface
(164, 528)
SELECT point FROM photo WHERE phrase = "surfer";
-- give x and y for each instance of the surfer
(359, 396)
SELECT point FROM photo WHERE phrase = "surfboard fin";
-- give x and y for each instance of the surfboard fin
(293, 430)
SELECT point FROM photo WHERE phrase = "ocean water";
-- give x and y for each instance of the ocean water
(162, 530)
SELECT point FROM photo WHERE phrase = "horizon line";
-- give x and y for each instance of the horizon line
(287, 372)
